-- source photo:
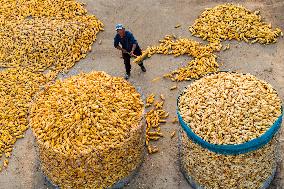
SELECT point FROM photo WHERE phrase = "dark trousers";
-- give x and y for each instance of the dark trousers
(126, 57)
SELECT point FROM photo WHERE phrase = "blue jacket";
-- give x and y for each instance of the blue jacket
(126, 42)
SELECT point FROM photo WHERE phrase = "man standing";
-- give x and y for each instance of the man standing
(129, 47)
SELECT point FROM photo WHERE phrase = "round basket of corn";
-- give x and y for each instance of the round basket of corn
(89, 131)
(229, 131)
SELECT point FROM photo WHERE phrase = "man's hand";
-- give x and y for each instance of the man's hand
(132, 53)
(120, 48)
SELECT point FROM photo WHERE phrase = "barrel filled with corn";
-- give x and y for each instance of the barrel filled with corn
(229, 136)
(89, 131)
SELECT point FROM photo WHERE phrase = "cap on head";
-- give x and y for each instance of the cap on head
(118, 27)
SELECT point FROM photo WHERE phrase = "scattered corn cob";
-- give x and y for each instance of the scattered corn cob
(154, 137)
(154, 118)
(150, 100)
(173, 134)
(177, 26)
(155, 134)
(159, 105)
(226, 47)
(156, 79)
(173, 88)
(6, 163)
(162, 121)
(175, 120)
(162, 97)
(7, 154)
(152, 150)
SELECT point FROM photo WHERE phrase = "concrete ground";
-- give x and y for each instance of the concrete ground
(150, 21)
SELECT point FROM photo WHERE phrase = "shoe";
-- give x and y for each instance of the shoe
(143, 68)
(127, 76)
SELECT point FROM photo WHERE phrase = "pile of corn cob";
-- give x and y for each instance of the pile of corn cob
(229, 108)
(43, 37)
(36, 35)
(41, 43)
(154, 118)
(204, 58)
(89, 131)
(229, 21)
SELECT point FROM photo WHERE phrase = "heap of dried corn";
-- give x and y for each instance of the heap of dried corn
(17, 88)
(229, 108)
(42, 43)
(36, 35)
(154, 118)
(44, 35)
(211, 170)
(204, 59)
(88, 130)
(229, 21)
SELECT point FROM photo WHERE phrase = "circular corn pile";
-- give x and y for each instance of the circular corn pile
(210, 170)
(228, 21)
(229, 108)
(88, 130)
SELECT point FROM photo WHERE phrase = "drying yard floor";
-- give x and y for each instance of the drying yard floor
(150, 21)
